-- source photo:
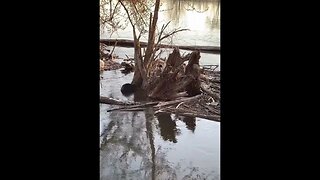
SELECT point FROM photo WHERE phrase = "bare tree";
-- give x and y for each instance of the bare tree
(137, 12)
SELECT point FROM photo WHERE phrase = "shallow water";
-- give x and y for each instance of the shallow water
(140, 145)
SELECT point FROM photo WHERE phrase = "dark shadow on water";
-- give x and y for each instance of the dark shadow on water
(190, 122)
(167, 126)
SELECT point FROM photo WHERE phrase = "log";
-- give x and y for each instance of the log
(133, 109)
(107, 100)
(167, 103)
(134, 106)
(154, 104)
(130, 43)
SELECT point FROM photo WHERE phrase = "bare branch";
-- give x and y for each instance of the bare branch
(113, 12)
(135, 8)
(127, 13)
(172, 33)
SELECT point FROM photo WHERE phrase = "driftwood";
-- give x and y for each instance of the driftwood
(133, 109)
(168, 103)
(153, 104)
(130, 43)
(107, 100)
(207, 90)
(134, 106)
(165, 107)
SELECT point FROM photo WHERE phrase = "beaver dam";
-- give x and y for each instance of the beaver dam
(174, 87)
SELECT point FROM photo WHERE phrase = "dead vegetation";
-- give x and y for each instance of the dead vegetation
(175, 87)
(178, 82)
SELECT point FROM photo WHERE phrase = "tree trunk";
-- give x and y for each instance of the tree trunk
(174, 79)
(152, 33)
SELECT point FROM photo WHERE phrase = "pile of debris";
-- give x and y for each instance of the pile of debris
(204, 105)
(179, 88)
(107, 59)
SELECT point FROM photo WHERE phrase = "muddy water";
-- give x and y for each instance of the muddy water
(140, 145)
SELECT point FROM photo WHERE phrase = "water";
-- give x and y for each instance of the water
(141, 145)
(206, 58)
(203, 22)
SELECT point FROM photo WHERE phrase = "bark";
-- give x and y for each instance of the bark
(174, 79)
(152, 30)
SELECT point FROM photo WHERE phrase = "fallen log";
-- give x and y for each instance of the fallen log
(133, 109)
(154, 104)
(130, 43)
(167, 103)
(134, 106)
(107, 100)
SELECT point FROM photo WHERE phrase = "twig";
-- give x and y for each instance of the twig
(179, 105)
(167, 103)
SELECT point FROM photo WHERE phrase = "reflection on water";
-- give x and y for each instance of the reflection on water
(202, 17)
(178, 12)
(190, 123)
(141, 145)
(168, 129)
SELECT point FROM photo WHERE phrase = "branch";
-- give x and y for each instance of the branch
(172, 33)
(113, 12)
(162, 30)
(135, 8)
(127, 13)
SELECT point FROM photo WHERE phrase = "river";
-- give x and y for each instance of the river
(141, 145)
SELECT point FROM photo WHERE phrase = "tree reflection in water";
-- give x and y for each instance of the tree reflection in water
(168, 127)
(129, 150)
(190, 122)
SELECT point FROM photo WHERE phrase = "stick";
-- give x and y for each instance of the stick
(133, 106)
(106, 100)
(167, 103)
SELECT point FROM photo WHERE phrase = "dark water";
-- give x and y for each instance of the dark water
(141, 145)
